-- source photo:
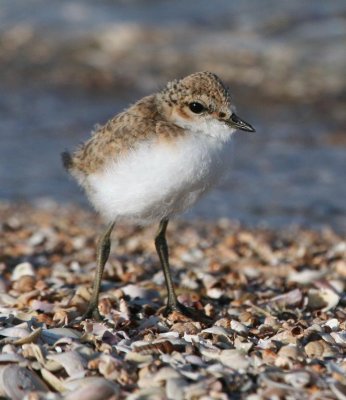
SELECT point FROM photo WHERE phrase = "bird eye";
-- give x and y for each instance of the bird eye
(196, 108)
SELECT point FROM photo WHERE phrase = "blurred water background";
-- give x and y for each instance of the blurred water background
(68, 64)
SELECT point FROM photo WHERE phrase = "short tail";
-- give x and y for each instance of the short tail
(66, 160)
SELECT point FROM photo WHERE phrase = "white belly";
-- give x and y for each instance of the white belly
(158, 180)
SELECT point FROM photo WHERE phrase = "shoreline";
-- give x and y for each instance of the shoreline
(264, 223)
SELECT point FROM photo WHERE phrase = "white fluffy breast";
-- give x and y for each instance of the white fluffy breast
(158, 179)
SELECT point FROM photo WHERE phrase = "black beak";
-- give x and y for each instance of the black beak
(238, 123)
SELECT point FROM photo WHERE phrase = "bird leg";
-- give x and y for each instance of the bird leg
(162, 251)
(103, 250)
(172, 303)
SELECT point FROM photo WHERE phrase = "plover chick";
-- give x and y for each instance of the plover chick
(155, 160)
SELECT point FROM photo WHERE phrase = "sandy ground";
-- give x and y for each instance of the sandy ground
(277, 300)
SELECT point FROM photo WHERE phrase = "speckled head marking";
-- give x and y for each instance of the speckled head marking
(196, 96)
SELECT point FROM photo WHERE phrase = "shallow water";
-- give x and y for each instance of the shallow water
(290, 172)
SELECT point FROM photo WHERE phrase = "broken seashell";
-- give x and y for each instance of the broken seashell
(54, 334)
(319, 349)
(175, 388)
(291, 351)
(339, 337)
(217, 330)
(25, 283)
(243, 346)
(324, 298)
(339, 390)
(159, 347)
(37, 238)
(109, 367)
(166, 373)
(34, 351)
(209, 352)
(22, 269)
(39, 305)
(240, 328)
(11, 358)
(276, 380)
(30, 338)
(15, 332)
(136, 291)
(188, 328)
(306, 276)
(16, 382)
(169, 335)
(146, 378)
(298, 379)
(333, 324)
(215, 293)
(52, 380)
(235, 359)
(194, 360)
(247, 318)
(292, 298)
(138, 357)
(7, 300)
(92, 388)
(73, 363)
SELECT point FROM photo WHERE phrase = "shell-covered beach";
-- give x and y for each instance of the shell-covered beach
(277, 300)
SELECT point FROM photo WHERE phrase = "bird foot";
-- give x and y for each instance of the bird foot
(91, 313)
(188, 312)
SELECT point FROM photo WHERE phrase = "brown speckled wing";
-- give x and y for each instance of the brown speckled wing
(117, 136)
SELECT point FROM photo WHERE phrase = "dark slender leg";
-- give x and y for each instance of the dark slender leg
(172, 302)
(162, 251)
(103, 249)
